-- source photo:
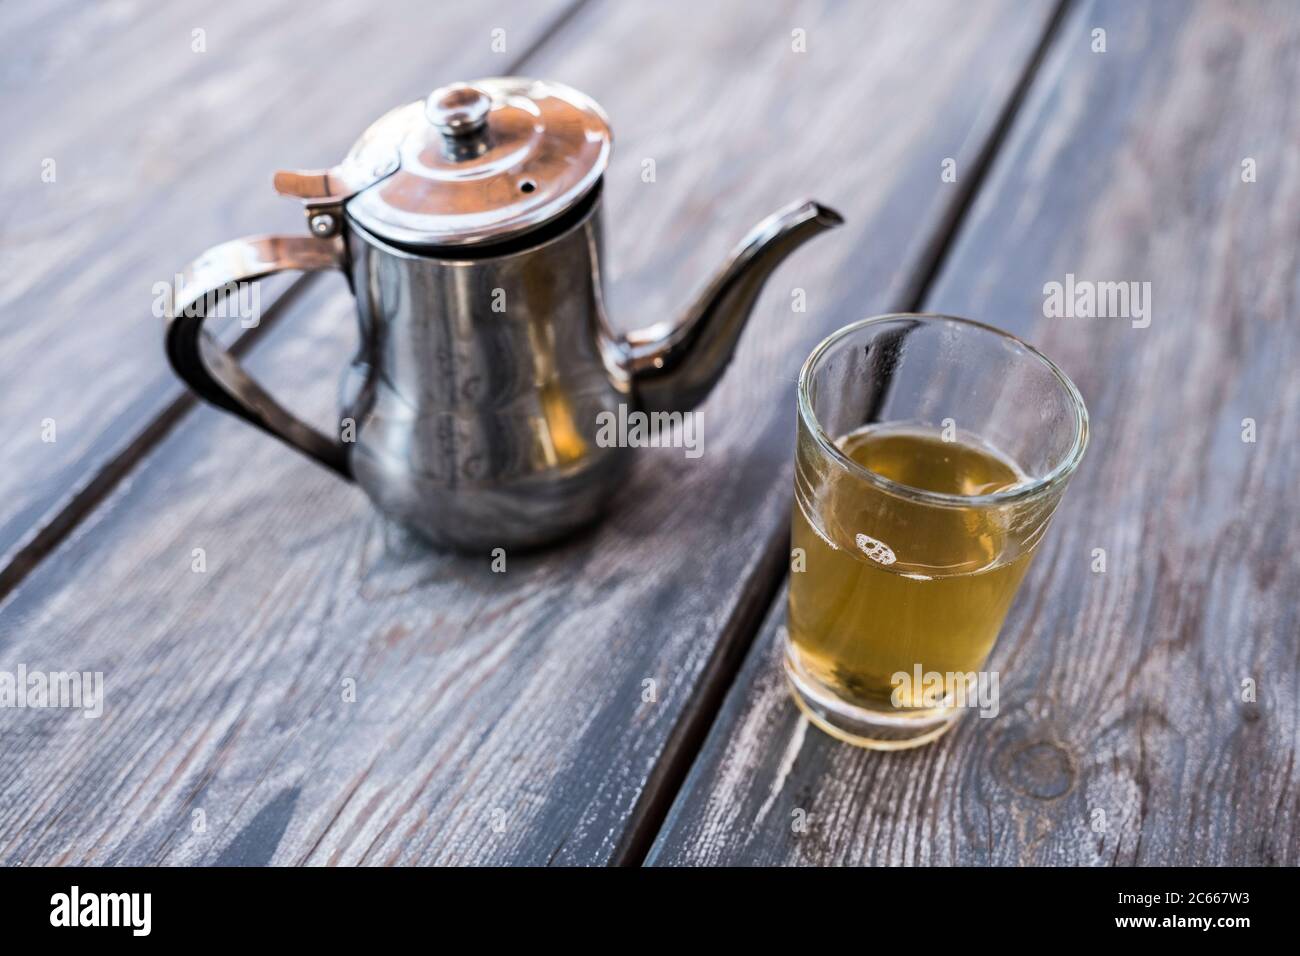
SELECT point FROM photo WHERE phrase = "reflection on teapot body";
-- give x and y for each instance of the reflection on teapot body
(469, 227)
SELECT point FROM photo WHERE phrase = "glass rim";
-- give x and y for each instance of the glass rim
(1059, 473)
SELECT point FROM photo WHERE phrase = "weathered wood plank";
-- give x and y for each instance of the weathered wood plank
(159, 151)
(499, 717)
(1123, 737)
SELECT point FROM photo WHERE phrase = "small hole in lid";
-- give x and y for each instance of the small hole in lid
(527, 186)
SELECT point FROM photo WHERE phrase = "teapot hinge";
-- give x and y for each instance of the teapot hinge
(323, 192)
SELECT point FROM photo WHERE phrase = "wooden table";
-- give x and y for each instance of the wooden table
(618, 699)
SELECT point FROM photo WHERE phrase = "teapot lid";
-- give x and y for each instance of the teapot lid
(474, 163)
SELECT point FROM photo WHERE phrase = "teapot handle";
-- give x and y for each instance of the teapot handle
(211, 371)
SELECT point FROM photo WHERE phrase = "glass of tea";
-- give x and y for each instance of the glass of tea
(932, 452)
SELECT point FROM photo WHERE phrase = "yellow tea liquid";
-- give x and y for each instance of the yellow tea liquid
(890, 583)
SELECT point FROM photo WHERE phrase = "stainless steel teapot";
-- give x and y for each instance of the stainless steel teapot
(469, 228)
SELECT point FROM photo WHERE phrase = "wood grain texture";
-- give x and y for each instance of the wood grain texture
(1123, 737)
(159, 152)
(498, 717)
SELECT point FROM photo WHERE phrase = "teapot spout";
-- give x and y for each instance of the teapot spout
(674, 366)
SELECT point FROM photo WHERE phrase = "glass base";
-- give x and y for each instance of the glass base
(873, 729)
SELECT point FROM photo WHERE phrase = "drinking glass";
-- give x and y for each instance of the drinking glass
(899, 583)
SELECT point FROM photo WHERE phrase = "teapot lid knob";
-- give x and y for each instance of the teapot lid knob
(458, 109)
